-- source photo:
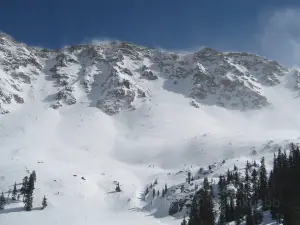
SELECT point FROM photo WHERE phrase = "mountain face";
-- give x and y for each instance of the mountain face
(88, 118)
(117, 76)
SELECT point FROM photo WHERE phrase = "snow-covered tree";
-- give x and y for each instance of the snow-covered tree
(44, 202)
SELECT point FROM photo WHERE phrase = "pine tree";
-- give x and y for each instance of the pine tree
(158, 193)
(248, 166)
(257, 216)
(240, 210)
(228, 176)
(29, 192)
(235, 168)
(184, 222)
(223, 205)
(153, 193)
(2, 201)
(33, 174)
(118, 189)
(263, 183)
(247, 185)
(166, 189)
(44, 202)
(15, 192)
(194, 216)
(255, 185)
(205, 184)
(231, 211)
(236, 178)
(24, 186)
(249, 217)
(189, 177)
(146, 191)
(206, 208)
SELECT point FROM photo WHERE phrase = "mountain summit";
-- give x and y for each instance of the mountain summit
(118, 76)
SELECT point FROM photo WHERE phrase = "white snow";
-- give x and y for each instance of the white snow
(166, 132)
(80, 141)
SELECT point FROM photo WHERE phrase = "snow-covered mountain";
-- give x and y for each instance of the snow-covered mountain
(119, 75)
(88, 116)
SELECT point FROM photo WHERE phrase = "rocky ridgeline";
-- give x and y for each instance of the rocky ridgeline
(19, 68)
(115, 76)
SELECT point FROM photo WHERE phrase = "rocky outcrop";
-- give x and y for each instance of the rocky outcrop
(114, 76)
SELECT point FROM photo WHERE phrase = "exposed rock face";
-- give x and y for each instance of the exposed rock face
(19, 67)
(116, 76)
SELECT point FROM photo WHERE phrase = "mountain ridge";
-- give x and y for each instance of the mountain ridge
(124, 70)
(88, 117)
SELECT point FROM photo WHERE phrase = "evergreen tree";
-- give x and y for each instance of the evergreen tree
(247, 185)
(248, 166)
(255, 185)
(29, 192)
(189, 177)
(194, 217)
(146, 191)
(235, 168)
(223, 205)
(33, 174)
(44, 202)
(229, 177)
(231, 211)
(2, 201)
(240, 209)
(206, 208)
(236, 178)
(249, 217)
(205, 184)
(257, 216)
(202, 209)
(14, 192)
(184, 222)
(118, 189)
(153, 193)
(263, 183)
(182, 188)
(24, 186)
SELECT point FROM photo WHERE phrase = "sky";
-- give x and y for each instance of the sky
(267, 27)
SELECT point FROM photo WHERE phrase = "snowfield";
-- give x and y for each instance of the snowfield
(79, 152)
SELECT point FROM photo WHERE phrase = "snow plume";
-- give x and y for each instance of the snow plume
(182, 51)
(280, 37)
(98, 41)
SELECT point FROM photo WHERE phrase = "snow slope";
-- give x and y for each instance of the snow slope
(150, 137)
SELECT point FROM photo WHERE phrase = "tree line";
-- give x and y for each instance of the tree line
(246, 196)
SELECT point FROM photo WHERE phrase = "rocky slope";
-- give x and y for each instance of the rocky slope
(118, 75)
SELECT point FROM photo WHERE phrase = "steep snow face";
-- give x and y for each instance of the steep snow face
(118, 75)
(128, 114)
